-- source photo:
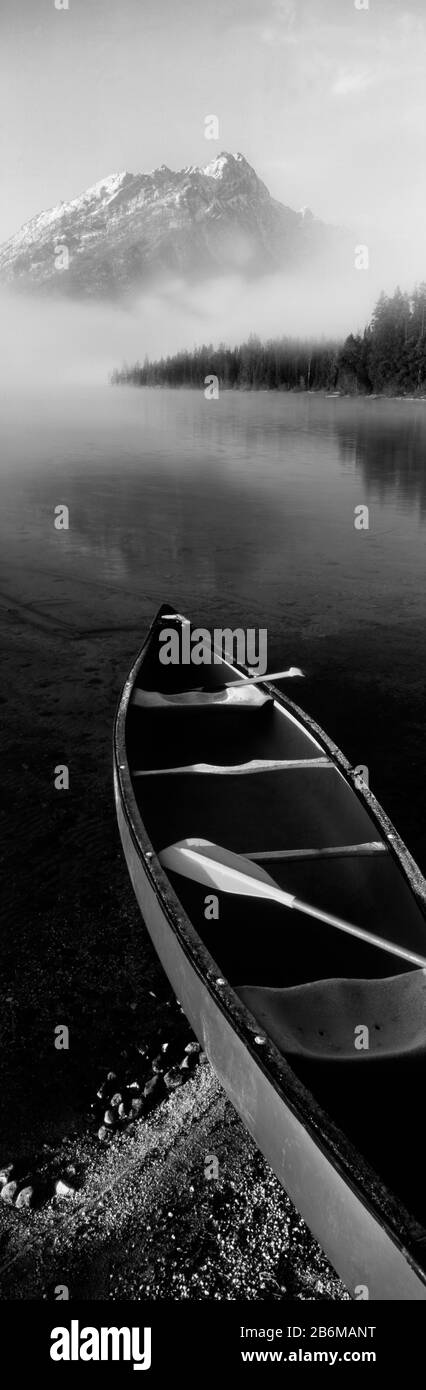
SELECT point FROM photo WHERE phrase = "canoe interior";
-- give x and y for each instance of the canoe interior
(374, 1099)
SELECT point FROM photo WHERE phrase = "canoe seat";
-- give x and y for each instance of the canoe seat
(328, 1019)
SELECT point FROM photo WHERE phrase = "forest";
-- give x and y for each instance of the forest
(388, 358)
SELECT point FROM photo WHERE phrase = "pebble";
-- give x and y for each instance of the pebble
(25, 1198)
(64, 1188)
(8, 1192)
(173, 1079)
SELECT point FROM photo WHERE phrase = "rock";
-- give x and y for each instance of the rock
(124, 1111)
(110, 1119)
(111, 1077)
(64, 1188)
(154, 1088)
(25, 1198)
(137, 1108)
(188, 1065)
(6, 1173)
(134, 1086)
(104, 1134)
(173, 1079)
(191, 1058)
(159, 1063)
(8, 1192)
(116, 1100)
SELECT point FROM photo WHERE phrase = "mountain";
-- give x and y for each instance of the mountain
(132, 228)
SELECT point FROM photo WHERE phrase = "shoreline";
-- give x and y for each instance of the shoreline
(271, 391)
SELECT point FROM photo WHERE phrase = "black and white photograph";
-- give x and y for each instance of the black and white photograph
(213, 636)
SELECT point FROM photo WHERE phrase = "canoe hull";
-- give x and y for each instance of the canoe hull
(356, 1241)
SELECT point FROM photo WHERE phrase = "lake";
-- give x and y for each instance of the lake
(240, 512)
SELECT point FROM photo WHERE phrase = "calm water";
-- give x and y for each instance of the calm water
(239, 511)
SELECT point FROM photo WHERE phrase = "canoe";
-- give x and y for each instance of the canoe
(317, 1035)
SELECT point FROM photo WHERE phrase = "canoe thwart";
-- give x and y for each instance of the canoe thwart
(326, 852)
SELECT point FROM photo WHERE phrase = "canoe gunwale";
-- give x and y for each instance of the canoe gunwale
(355, 1171)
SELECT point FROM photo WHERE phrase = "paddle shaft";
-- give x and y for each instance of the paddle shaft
(267, 676)
(369, 937)
(254, 680)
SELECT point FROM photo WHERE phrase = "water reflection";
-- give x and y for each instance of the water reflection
(387, 442)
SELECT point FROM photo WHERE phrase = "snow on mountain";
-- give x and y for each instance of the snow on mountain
(130, 228)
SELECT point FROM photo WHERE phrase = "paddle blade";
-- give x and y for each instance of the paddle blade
(216, 867)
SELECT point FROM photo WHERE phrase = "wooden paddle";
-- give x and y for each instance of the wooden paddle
(253, 680)
(219, 868)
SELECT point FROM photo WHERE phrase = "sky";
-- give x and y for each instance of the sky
(326, 100)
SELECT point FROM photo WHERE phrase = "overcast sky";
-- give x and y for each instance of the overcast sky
(327, 101)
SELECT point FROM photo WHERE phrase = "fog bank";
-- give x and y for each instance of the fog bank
(57, 342)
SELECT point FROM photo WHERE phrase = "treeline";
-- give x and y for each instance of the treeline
(284, 363)
(388, 358)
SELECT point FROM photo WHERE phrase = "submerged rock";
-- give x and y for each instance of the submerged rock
(159, 1063)
(154, 1088)
(104, 1134)
(26, 1197)
(6, 1173)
